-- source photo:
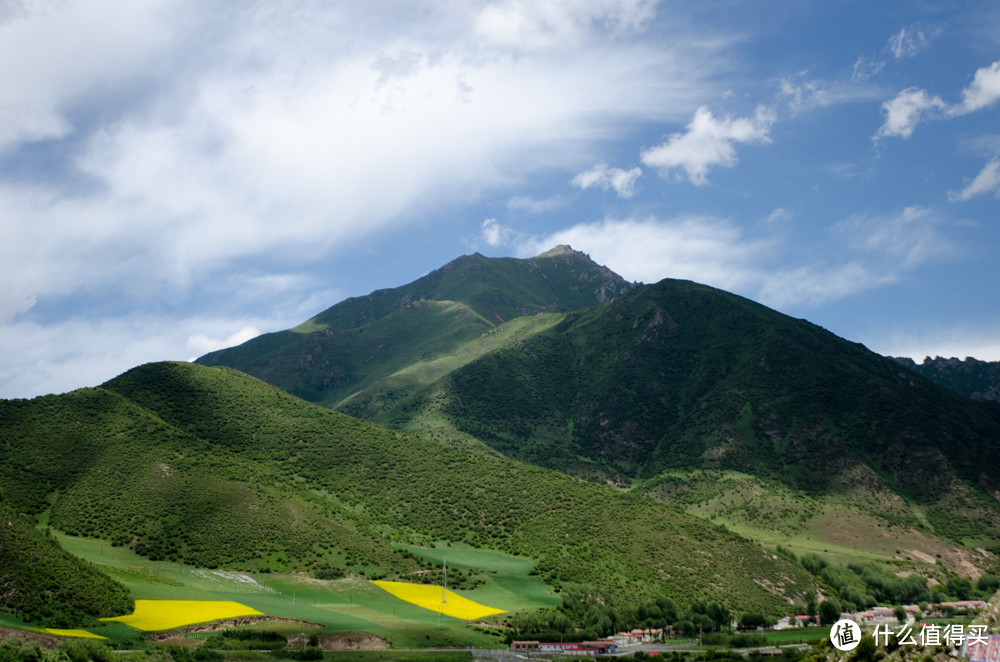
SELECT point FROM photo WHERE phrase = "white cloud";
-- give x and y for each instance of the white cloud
(958, 340)
(198, 344)
(495, 234)
(987, 181)
(709, 142)
(865, 69)
(55, 358)
(909, 107)
(819, 283)
(540, 24)
(983, 91)
(900, 242)
(52, 53)
(622, 181)
(209, 139)
(803, 94)
(907, 43)
(704, 249)
(904, 112)
(861, 253)
(536, 205)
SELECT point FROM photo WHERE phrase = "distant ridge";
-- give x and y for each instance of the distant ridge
(979, 380)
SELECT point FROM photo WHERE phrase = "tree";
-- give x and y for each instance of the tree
(811, 609)
(900, 614)
(829, 611)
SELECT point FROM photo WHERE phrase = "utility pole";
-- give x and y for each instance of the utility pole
(444, 580)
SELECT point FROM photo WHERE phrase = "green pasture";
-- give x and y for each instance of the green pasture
(343, 605)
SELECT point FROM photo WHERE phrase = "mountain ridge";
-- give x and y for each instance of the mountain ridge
(661, 382)
(361, 339)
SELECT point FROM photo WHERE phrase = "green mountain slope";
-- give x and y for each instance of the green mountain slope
(362, 340)
(679, 377)
(41, 583)
(187, 451)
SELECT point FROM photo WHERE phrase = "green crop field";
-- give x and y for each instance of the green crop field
(343, 605)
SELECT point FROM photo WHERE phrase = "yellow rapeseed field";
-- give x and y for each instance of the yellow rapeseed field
(81, 634)
(430, 597)
(168, 614)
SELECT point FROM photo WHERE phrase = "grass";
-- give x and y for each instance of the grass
(797, 635)
(339, 606)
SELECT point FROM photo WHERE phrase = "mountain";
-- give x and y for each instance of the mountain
(215, 468)
(363, 340)
(979, 380)
(679, 391)
(677, 377)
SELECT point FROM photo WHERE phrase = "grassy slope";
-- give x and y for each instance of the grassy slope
(362, 340)
(679, 376)
(113, 469)
(343, 605)
(43, 584)
(283, 453)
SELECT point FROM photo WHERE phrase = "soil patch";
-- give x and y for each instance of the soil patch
(352, 641)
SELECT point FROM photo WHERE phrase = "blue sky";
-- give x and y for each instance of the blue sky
(177, 176)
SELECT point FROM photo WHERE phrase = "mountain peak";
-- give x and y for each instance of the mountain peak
(562, 249)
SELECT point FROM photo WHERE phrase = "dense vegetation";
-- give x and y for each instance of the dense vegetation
(212, 467)
(41, 583)
(678, 376)
(979, 380)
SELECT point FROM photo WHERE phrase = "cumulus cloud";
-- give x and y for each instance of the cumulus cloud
(198, 344)
(622, 181)
(987, 181)
(906, 110)
(495, 234)
(702, 248)
(983, 91)
(909, 107)
(709, 142)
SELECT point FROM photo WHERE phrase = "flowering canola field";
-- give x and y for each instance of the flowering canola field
(80, 634)
(168, 614)
(430, 597)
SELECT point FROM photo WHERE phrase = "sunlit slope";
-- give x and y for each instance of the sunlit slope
(616, 544)
(362, 340)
